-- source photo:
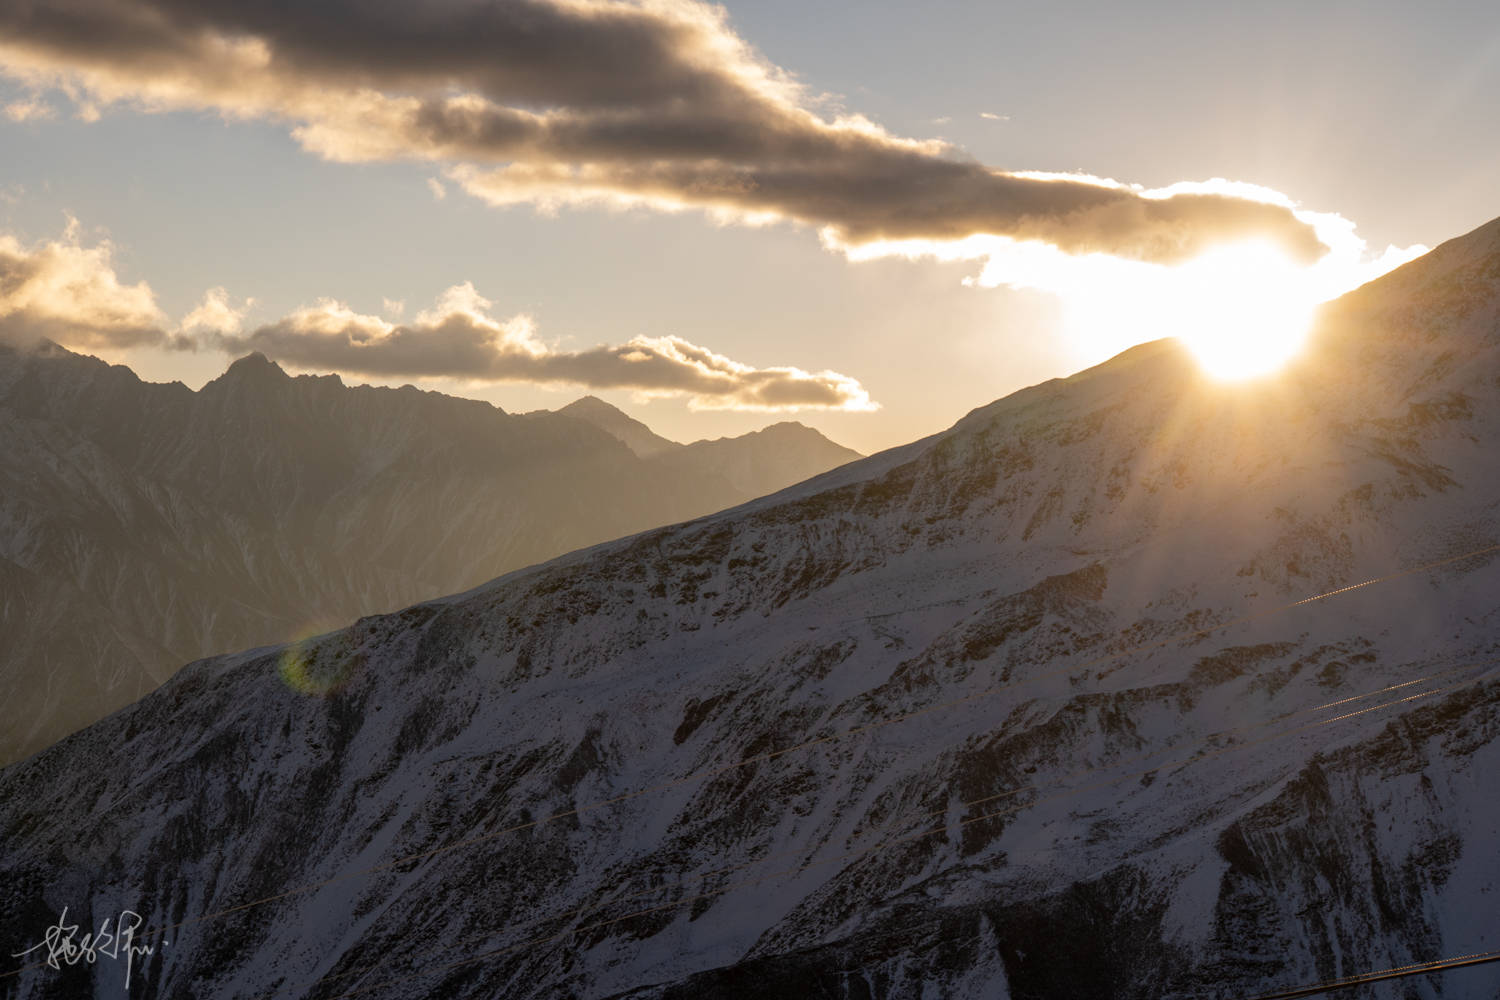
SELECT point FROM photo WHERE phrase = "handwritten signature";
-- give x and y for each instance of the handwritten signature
(120, 942)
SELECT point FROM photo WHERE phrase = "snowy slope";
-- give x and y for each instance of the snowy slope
(1025, 709)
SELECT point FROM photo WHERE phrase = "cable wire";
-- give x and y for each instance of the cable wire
(1360, 979)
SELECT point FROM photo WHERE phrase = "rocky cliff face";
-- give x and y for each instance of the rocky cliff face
(143, 525)
(1030, 708)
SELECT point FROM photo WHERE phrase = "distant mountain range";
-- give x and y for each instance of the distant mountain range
(754, 464)
(1129, 685)
(143, 525)
(637, 436)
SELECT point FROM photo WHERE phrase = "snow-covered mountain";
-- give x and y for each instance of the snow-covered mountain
(144, 525)
(1035, 707)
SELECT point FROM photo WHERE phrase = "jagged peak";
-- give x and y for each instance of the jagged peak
(253, 366)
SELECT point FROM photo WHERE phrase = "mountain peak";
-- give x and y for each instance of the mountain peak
(254, 365)
(254, 368)
(789, 427)
(592, 405)
(616, 422)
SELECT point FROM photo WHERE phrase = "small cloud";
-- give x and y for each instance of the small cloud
(394, 308)
(942, 120)
(28, 110)
(64, 291)
(215, 314)
(436, 187)
(990, 115)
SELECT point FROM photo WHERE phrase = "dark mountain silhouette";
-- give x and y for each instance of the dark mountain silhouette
(754, 464)
(637, 436)
(144, 525)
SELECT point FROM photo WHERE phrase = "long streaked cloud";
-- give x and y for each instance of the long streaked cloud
(625, 102)
(64, 291)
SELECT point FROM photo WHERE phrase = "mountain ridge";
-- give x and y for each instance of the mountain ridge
(168, 523)
(1090, 644)
(638, 437)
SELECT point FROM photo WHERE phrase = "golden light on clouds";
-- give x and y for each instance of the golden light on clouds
(563, 103)
(67, 292)
(1243, 308)
(652, 105)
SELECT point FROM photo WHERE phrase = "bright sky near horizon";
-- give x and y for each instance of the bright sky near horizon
(638, 203)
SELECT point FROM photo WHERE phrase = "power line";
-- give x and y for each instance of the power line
(1360, 979)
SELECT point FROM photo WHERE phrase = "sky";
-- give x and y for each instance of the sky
(870, 217)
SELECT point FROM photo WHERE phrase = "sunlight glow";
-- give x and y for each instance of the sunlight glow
(1243, 309)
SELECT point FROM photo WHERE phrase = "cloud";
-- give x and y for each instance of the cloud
(28, 109)
(458, 338)
(1233, 302)
(994, 117)
(436, 187)
(215, 314)
(653, 103)
(63, 291)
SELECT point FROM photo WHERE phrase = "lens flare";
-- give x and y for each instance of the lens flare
(318, 665)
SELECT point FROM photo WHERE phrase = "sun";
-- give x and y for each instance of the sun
(1243, 310)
